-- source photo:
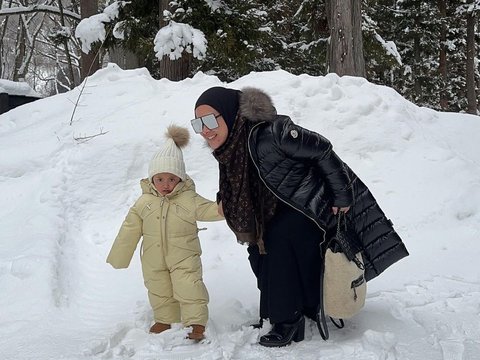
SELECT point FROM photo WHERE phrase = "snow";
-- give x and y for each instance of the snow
(17, 88)
(92, 29)
(175, 38)
(171, 40)
(390, 47)
(64, 201)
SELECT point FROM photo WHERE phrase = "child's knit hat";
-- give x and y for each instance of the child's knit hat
(170, 158)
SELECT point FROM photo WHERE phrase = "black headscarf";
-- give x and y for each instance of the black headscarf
(225, 101)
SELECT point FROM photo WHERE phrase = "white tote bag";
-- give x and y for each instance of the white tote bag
(344, 285)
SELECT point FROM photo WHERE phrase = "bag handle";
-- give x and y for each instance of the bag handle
(339, 221)
(343, 243)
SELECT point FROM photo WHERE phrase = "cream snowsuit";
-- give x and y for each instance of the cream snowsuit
(170, 252)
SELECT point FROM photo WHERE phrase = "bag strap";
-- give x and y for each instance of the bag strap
(340, 324)
(321, 318)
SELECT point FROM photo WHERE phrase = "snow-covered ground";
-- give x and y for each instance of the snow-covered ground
(64, 198)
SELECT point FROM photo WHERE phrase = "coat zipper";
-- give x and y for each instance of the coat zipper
(259, 175)
(163, 222)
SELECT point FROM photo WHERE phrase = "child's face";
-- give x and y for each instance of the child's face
(165, 182)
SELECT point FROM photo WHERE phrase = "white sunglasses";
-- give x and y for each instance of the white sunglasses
(210, 121)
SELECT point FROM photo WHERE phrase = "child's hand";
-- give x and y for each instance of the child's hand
(220, 209)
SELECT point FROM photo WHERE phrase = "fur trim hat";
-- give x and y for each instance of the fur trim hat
(170, 158)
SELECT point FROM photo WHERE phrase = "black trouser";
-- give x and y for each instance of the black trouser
(289, 274)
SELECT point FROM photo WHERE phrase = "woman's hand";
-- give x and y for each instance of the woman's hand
(342, 209)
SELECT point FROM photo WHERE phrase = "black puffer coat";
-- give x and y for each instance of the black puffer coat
(300, 168)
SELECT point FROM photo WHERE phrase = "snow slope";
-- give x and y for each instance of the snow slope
(66, 186)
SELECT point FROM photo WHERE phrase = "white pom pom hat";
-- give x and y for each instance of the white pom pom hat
(169, 159)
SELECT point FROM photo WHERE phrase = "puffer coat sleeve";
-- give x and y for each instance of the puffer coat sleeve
(126, 241)
(206, 210)
(305, 145)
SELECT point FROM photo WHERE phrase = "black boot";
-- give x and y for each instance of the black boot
(282, 334)
(258, 325)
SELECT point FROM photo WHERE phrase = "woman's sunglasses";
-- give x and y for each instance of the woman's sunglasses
(210, 121)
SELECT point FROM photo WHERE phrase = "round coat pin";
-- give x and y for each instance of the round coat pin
(294, 133)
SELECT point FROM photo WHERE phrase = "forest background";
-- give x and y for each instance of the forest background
(428, 51)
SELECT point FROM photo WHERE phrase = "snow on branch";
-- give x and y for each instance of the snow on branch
(370, 25)
(92, 29)
(20, 10)
(173, 39)
(390, 47)
(215, 4)
(469, 8)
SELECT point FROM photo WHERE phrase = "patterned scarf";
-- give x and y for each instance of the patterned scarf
(247, 204)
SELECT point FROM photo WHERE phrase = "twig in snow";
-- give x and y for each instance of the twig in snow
(82, 139)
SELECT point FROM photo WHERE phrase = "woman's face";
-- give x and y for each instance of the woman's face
(214, 137)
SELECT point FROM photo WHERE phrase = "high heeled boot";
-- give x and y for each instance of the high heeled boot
(282, 334)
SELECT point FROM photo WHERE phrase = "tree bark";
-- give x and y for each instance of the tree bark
(30, 38)
(417, 58)
(358, 58)
(124, 58)
(3, 31)
(442, 67)
(71, 74)
(20, 51)
(35, 9)
(174, 70)
(470, 64)
(89, 63)
(345, 52)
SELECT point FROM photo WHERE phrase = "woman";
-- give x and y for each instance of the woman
(280, 186)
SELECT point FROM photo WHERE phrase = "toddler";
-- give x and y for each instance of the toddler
(166, 215)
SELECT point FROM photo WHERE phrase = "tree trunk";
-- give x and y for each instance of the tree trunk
(30, 37)
(470, 64)
(3, 30)
(88, 62)
(417, 59)
(358, 59)
(478, 86)
(124, 58)
(345, 52)
(71, 75)
(20, 51)
(442, 67)
(174, 70)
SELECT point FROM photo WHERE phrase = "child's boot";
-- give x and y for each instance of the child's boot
(157, 328)
(197, 332)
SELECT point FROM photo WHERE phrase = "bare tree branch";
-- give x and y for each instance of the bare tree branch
(19, 10)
